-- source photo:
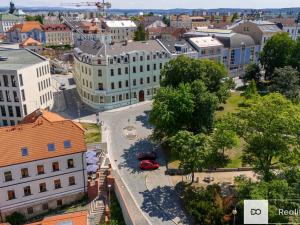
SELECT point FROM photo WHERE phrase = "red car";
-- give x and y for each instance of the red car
(149, 165)
(147, 156)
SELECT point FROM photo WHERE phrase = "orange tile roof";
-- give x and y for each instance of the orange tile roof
(35, 133)
(56, 28)
(77, 218)
(27, 26)
(31, 42)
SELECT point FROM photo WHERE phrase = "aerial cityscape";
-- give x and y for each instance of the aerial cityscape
(149, 112)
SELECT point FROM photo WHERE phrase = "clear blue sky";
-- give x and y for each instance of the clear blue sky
(166, 4)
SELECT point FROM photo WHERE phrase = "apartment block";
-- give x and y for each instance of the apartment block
(120, 74)
(120, 30)
(25, 85)
(58, 34)
(42, 164)
(7, 21)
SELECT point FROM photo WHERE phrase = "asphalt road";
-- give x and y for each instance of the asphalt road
(152, 190)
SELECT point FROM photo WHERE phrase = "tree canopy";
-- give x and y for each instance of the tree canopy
(252, 73)
(277, 53)
(141, 34)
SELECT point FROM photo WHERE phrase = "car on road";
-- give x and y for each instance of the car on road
(147, 155)
(149, 165)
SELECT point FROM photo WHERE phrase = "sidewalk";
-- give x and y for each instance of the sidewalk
(165, 196)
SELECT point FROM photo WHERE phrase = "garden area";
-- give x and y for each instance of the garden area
(92, 133)
(115, 212)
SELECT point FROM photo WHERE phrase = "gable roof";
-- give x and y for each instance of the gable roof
(27, 26)
(31, 42)
(36, 131)
(76, 218)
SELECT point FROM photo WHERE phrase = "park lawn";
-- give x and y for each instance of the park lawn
(232, 104)
(235, 155)
(92, 133)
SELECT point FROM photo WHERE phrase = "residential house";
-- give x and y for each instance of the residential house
(42, 164)
(20, 32)
(120, 74)
(7, 21)
(32, 45)
(289, 25)
(181, 21)
(58, 34)
(25, 85)
(120, 30)
(199, 21)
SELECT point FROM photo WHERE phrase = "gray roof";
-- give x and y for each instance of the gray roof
(92, 47)
(19, 59)
(170, 45)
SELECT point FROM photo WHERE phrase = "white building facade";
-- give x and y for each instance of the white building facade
(7, 21)
(121, 30)
(112, 76)
(25, 85)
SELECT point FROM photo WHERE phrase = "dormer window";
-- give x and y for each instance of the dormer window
(67, 144)
(51, 147)
(24, 151)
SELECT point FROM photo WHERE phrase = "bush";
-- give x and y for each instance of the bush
(16, 219)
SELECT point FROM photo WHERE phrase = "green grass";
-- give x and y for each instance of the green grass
(92, 133)
(232, 104)
(116, 215)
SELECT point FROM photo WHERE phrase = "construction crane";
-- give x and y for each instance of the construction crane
(101, 6)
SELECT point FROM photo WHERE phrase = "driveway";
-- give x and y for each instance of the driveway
(128, 133)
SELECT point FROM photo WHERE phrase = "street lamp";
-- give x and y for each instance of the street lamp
(109, 186)
(234, 212)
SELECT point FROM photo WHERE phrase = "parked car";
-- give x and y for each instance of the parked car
(147, 155)
(149, 165)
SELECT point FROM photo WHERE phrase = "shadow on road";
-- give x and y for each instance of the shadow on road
(130, 155)
(144, 119)
(168, 201)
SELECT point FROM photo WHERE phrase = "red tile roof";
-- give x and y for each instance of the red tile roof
(31, 42)
(37, 130)
(27, 26)
(56, 28)
(77, 218)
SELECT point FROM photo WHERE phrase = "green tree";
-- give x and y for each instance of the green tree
(287, 82)
(252, 73)
(276, 53)
(166, 20)
(191, 149)
(38, 18)
(172, 110)
(16, 219)
(234, 17)
(206, 104)
(141, 34)
(270, 127)
(251, 90)
(186, 70)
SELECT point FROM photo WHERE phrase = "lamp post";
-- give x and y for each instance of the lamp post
(234, 212)
(109, 186)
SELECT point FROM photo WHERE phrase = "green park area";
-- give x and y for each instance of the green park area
(92, 133)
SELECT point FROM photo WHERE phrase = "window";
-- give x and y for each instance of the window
(148, 57)
(3, 111)
(141, 58)
(18, 111)
(29, 210)
(7, 176)
(27, 191)
(11, 195)
(99, 73)
(112, 85)
(24, 173)
(25, 110)
(148, 91)
(120, 97)
(134, 82)
(154, 79)
(141, 69)
(45, 206)
(126, 70)
(59, 202)
(113, 98)
(5, 79)
(16, 99)
(24, 151)
(148, 80)
(100, 86)
(51, 147)
(43, 187)
(40, 169)
(55, 166)
(70, 163)
(12, 122)
(126, 83)
(1, 96)
(134, 69)
(160, 66)
(21, 79)
(154, 66)
(13, 81)
(148, 67)
(71, 181)
(112, 72)
(141, 81)
(67, 144)
(57, 184)
(7, 96)
(134, 94)
(23, 95)
(119, 71)
(133, 59)
(10, 111)
(120, 84)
